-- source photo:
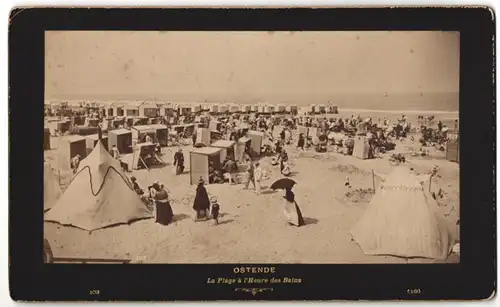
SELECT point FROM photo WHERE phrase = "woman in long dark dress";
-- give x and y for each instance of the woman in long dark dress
(201, 201)
(164, 212)
(292, 210)
(301, 142)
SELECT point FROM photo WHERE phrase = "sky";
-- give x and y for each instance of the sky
(248, 66)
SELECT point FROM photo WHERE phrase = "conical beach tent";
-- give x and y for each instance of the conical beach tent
(51, 189)
(402, 221)
(99, 195)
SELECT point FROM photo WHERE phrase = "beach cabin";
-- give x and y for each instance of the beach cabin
(453, 146)
(361, 148)
(91, 142)
(46, 138)
(215, 135)
(203, 136)
(161, 134)
(148, 109)
(78, 120)
(166, 109)
(58, 126)
(69, 147)
(117, 122)
(84, 131)
(246, 108)
(234, 108)
(91, 122)
(195, 108)
(152, 121)
(260, 108)
(228, 148)
(142, 153)
(122, 139)
(243, 145)
(256, 137)
(170, 109)
(139, 121)
(224, 108)
(205, 107)
(118, 109)
(161, 108)
(281, 108)
(178, 129)
(321, 109)
(139, 133)
(109, 111)
(131, 109)
(185, 110)
(311, 109)
(215, 125)
(214, 109)
(200, 160)
(332, 109)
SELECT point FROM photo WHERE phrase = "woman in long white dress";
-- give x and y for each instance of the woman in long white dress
(292, 210)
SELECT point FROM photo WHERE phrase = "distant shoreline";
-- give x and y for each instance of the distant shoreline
(390, 108)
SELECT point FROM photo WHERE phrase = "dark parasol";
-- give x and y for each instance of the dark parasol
(283, 184)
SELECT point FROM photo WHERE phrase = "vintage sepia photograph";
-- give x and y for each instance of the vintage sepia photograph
(271, 147)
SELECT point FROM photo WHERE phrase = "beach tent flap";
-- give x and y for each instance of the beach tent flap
(99, 195)
(402, 220)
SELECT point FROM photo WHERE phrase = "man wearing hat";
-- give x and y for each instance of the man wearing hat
(179, 162)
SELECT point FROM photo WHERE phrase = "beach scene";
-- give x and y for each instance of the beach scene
(252, 147)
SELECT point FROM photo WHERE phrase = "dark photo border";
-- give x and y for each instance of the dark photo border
(472, 279)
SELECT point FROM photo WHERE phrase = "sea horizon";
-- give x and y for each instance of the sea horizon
(421, 102)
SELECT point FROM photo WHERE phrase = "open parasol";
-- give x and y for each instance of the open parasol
(283, 184)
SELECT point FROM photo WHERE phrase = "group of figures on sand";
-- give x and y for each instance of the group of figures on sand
(202, 203)
(204, 206)
(158, 196)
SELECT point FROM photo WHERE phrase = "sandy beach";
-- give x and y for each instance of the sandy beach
(377, 74)
(252, 228)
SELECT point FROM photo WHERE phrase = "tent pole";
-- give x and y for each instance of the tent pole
(144, 163)
(373, 181)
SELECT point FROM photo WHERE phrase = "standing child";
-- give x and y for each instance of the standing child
(215, 210)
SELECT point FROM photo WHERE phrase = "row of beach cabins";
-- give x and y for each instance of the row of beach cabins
(154, 108)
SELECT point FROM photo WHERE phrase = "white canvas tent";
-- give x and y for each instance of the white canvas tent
(402, 220)
(99, 195)
(51, 189)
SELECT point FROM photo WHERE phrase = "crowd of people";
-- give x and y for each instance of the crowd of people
(339, 132)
